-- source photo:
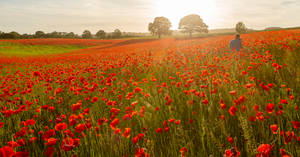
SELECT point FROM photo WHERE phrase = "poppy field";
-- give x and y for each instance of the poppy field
(167, 97)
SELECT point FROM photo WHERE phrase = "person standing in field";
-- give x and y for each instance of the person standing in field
(236, 44)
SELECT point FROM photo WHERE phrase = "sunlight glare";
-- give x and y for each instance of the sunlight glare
(174, 10)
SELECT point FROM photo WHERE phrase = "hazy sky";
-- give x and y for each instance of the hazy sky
(28, 16)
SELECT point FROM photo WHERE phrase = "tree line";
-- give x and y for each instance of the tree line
(160, 26)
(101, 34)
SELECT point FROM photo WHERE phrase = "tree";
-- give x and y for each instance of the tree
(101, 34)
(151, 28)
(70, 35)
(11, 35)
(160, 26)
(86, 34)
(240, 27)
(62, 34)
(117, 33)
(15, 35)
(53, 35)
(27, 36)
(39, 34)
(192, 23)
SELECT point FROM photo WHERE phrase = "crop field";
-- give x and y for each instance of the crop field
(148, 97)
(34, 47)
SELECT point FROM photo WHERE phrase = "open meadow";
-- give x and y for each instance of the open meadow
(151, 97)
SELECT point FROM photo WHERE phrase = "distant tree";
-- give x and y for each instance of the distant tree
(151, 28)
(1, 34)
(160, 26)
(192, 23)
(86, 34)
(70, 35)
(11, 35)
(62, 34)
(240, 27)
(15, 35)
(39, 34)
(117, 33)
(53, 35)
(101, 34)
(26, 36)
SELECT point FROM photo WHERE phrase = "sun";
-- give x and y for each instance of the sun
(174, 10)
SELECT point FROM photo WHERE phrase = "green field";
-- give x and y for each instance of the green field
(16, 49)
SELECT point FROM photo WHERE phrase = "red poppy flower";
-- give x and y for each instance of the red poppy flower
(270, 108)
(171, 120)
(114, 111)
(48, 134)
(177, 122)
(205, 101)
(67, 144)
(141, 153)
(22, 154)
(232, 92)
(264, 150)
(114, 123)
(58, 90)
(76, 106)
(100, 121)
(1, 124)
(6, 151)
(60, 126)
(126, 133)
(30, 122)
(137, 90)
(183, 150)
(51, 142)
(135, 139)
(223, 106)
(13, 144)
(117, 131)
(94, 99)
(80, 127)
(283, 153)
(232, 153)
(49, 151)
(274, 128)
(296, 124)
(232, 110)
(159, 130)
(86, 111)
(21, 142)
(283, 101)
(230, 139)
(36, 73)
(76, 141)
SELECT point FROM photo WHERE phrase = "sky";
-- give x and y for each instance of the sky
(28, 16)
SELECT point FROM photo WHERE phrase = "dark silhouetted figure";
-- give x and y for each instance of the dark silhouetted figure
(236, 44)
